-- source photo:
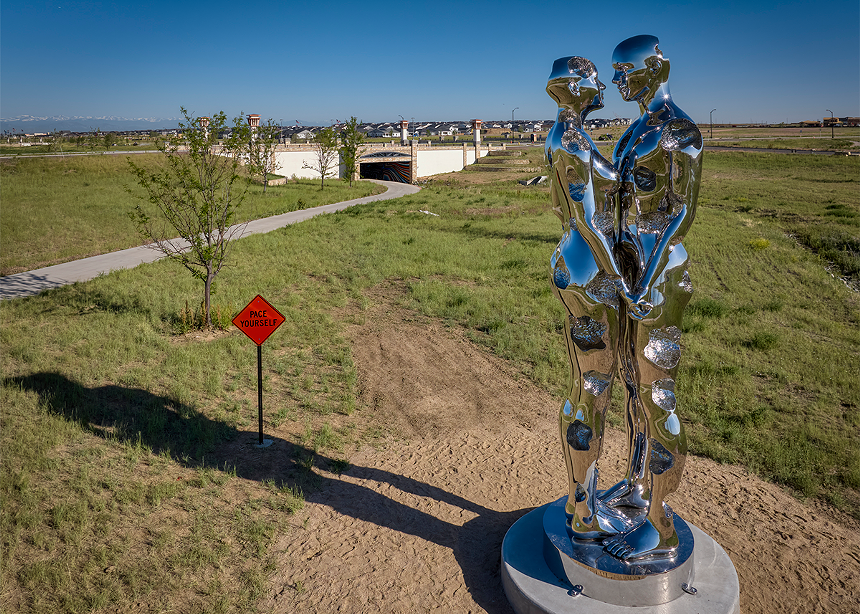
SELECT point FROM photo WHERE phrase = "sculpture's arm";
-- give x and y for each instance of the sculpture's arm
(586, 185)
(559, 205)
(682, 143)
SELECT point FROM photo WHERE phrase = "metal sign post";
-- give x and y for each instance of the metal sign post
(258, 320)
(260, 389)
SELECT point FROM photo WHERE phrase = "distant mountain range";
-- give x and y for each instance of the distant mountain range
(32, 123)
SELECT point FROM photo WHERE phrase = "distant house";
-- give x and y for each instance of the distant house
(304, 135)
(840, 121)
(596, 123)
(384, 130)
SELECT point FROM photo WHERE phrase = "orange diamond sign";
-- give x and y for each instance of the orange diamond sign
(258, 320)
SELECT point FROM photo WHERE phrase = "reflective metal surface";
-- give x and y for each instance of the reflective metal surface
(533, 588)
(605, 578)
(621, 273)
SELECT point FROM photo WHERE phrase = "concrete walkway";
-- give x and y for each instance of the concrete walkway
(33, 282)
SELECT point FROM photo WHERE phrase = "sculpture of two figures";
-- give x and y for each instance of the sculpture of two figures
(621, 272)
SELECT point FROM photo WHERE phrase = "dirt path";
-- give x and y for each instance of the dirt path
(417, 526)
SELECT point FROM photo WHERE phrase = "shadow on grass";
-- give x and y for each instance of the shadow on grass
(161, 423)
(129, 415)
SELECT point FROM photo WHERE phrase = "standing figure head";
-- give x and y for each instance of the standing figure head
(640, 69)
(574, 85)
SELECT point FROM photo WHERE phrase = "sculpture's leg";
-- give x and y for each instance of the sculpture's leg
(592, 346)
(656, 342)
(632, 491)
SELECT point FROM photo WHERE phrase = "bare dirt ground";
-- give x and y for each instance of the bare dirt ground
(417, 525)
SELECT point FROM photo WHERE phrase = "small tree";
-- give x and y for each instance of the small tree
(261, 151)
(57, 142)
(94, 138)
(351, 139)
(196, 193)
(325, 151)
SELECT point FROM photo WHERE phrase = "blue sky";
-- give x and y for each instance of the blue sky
(378, 60)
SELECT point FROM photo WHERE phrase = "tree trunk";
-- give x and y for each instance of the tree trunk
(206, 304)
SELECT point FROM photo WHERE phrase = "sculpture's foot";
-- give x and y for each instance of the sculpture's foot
(624, 494)
(603, 524)
(643, 542)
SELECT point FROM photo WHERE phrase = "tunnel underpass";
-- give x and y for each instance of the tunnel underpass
(386, 165)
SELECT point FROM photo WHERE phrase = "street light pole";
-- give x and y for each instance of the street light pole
(712, 123)
(512, 123)
(831, 122)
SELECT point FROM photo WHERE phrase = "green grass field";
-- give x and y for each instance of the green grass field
(40, 149)
(115, 428)
(782, 132)
(840, 144)
(56, 210)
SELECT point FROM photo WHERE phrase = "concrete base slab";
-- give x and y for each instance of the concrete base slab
(532, 588)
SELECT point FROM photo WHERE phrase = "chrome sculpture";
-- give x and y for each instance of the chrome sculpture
(621, 273)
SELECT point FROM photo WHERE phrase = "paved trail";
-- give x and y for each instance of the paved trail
(33, 282)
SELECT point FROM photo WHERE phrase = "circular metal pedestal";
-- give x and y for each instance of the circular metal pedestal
(605, 578)
(532, 588)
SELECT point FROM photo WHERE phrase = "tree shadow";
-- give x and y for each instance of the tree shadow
(26, 284)
(132, 415)
(124, 414)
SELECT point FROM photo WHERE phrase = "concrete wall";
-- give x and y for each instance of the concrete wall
(291, 163)
(430, 160)
(436, 161)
